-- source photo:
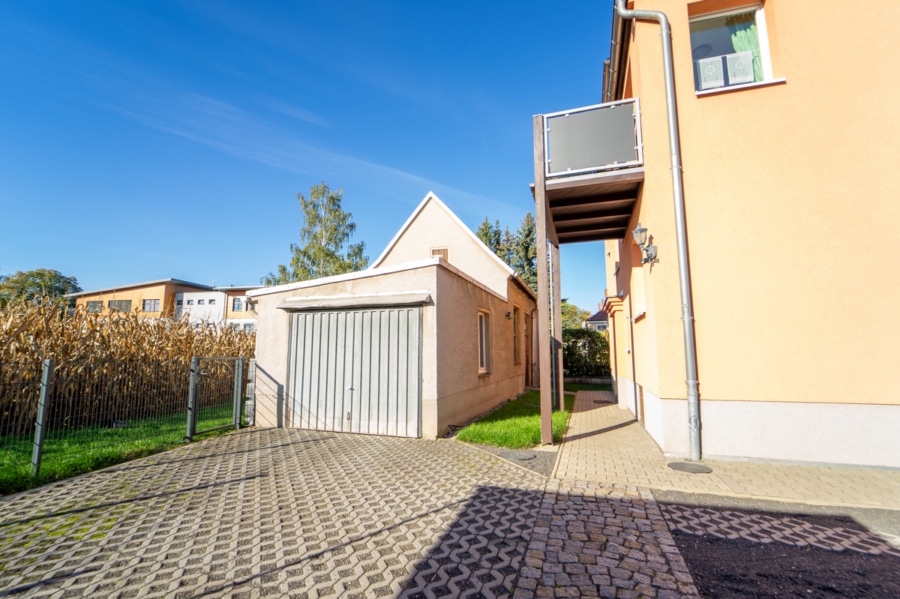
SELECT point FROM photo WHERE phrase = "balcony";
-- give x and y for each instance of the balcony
(589, 166)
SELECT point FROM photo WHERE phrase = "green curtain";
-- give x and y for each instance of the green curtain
(744, 38)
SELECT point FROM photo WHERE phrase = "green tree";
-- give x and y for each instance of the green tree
(526, 251)
(572, 315)
(507, 248)
(36, 285)
(489, 235)
(326, 231)
(518, 249)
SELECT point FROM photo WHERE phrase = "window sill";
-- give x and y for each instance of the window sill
(734, 88)
(483, 373)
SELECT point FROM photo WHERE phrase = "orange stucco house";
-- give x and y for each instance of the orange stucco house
(757, 319)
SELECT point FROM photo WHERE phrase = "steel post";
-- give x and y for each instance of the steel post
(40, 426)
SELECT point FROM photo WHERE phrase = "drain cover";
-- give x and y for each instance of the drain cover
(601, 401)
(692, 467)
(518, 455)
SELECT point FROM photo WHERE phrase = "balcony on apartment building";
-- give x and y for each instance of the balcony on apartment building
(593, 167)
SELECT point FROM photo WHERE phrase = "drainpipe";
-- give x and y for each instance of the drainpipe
(687, 303)
(611, 67)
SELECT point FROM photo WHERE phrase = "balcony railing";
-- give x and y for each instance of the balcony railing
(593, 139)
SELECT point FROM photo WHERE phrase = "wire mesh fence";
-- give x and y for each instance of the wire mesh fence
(20, 390)
(215, 400)
(59, 420)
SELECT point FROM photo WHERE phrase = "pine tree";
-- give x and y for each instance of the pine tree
(526, 252)
(326, 230)
(489, 235)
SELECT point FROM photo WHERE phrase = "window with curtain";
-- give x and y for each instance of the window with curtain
(730, 49)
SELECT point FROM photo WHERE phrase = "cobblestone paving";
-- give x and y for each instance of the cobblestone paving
(606, 443)
(768, 528)
(277, 513)
(595, 540)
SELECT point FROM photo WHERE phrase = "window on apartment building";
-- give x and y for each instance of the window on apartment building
(248, 328)
(212, 302)
(442, 252)
(190, 302)
(179, 302)
(484, 342)
(730, 48)
(150, 305)
(95, 306)
(119, 305)
(237, 305)
(517, 358)
(201, 302)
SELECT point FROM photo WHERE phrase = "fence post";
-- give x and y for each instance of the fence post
(40, 430)
(238, 387)
(251, 392)
(192, 399)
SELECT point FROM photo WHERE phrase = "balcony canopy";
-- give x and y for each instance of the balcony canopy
(590, 166)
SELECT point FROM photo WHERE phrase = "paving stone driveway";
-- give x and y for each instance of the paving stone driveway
(278, 512)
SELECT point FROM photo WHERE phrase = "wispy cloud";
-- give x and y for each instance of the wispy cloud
(294, 111)
(248, 128)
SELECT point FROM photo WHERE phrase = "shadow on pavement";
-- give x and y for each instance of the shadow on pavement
(761, 553)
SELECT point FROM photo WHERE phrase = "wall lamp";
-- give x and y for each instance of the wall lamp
(649, 251)
(509, 316)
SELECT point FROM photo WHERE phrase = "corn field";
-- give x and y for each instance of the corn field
(110, 372)
(31, 333)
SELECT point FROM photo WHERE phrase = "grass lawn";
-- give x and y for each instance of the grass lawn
(70, 453)
(586, 387)
(517, 424)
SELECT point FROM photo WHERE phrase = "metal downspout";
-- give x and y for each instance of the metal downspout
(612, 71)
(687, 303)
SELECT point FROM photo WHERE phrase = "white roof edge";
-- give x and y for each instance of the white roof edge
(362, 300)
(350, 276)
(305, 298)
(431, 196)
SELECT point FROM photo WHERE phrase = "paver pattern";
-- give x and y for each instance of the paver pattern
(277, 513)
(770, 528)
(604, 443)
(594, 540)
(289, 513)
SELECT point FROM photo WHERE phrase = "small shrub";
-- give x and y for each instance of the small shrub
(585, 353)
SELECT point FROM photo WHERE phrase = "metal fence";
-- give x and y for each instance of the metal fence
(57, 420)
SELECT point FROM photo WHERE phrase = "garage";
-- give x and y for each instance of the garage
(356, 370)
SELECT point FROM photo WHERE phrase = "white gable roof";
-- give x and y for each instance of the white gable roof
(431, 198)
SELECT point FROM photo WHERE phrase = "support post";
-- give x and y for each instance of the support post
(192, 399)
(251, 392)
(40, 428)
(543, 329)
(238, 387)
(558, 328)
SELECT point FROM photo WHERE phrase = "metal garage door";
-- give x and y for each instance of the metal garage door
(357, 371)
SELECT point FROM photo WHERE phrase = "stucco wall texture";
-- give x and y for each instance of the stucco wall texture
(790, 193)
(453, 391)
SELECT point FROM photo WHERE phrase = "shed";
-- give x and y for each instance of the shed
(437, 331)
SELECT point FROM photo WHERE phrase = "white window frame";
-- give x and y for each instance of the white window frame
(484, 342)
(152, 303)
(762, 33)
(237, 304)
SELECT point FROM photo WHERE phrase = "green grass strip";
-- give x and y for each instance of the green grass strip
(70, 453)
(517, 424)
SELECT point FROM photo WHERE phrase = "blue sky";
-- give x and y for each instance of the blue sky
(146, 140)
